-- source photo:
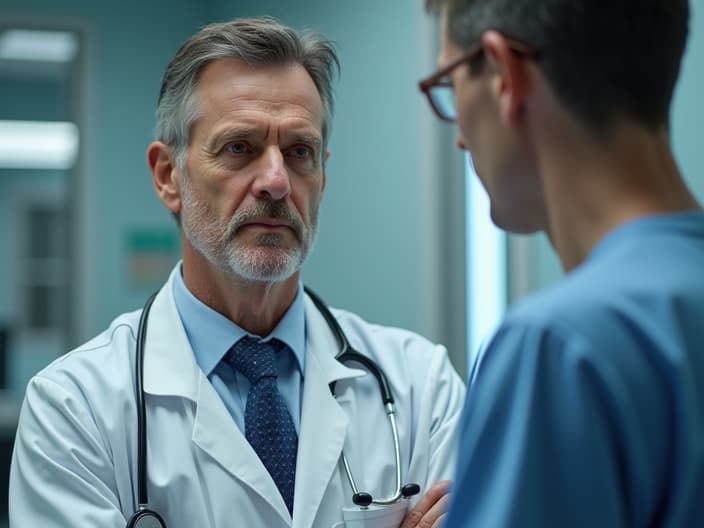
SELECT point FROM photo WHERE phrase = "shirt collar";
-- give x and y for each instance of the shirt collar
(689, 222)
(211, 334)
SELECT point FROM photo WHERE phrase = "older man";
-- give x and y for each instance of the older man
(236, 362)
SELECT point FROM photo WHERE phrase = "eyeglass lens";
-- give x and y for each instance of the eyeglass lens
(444, 101)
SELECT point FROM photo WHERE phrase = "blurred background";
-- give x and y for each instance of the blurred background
(404, 233)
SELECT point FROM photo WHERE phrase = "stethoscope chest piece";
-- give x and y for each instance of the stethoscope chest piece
(146, 519)
(367, 512)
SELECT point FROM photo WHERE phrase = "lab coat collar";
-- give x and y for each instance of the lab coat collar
(217, 435)
(323, 430)
(323, 421)
(322, 346)
(170, 369)
(211, 334)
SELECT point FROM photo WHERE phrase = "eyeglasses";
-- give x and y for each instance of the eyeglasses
(438, 87)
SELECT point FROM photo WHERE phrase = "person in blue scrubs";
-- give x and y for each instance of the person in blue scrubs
(586, 407)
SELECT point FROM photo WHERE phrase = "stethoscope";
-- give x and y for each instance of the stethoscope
(145, 517)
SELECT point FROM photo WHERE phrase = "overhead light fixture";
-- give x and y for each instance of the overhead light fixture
(38, 144)
(34, 45)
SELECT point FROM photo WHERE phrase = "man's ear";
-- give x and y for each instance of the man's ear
(325, 167)
(164, 175)
(510, 84)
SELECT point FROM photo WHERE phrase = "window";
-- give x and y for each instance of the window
(43, 268)
(486, 266)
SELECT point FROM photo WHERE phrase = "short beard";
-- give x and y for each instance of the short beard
(217, 242)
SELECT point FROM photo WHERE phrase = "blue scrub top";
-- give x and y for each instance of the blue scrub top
(586, 408)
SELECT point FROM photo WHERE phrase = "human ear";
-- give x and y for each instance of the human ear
(510, 83)
(327, 157)
(164, 175)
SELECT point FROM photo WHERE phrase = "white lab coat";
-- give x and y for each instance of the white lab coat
(75, 458)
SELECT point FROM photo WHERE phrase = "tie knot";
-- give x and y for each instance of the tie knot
(253, 358)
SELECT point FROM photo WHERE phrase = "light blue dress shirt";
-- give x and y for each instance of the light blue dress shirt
(211, 335)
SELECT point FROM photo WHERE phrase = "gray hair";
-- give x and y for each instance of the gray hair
(256, 41)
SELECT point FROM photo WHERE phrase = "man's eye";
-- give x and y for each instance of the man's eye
(301, 153)
(237, 148)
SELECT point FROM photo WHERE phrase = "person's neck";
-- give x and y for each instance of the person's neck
(255, 306)
(592, 187)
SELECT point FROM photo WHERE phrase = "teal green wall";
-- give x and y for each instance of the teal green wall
(688, 109)
(39, 98)
(367, 253)
(126, 45)
(687, 120)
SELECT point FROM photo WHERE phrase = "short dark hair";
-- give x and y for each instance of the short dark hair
(606, 59)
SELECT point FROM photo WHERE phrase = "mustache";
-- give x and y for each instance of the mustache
(268, 209)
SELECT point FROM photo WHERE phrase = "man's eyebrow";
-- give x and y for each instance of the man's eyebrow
(216, 141)
(310, 139)
(230, 133)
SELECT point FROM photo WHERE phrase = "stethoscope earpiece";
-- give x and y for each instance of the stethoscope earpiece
(349, 354)
(146, 518)
(362, 499)
(409, 490)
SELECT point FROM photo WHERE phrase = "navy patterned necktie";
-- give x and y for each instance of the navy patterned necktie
(267, 423)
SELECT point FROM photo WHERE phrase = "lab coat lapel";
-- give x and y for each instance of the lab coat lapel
(323, 422)
(170, 369)
(216, 433)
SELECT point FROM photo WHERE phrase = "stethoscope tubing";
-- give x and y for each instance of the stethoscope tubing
(346, 354)
(142, 494)
(349, 354)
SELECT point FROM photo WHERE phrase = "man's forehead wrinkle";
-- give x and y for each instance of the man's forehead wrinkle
(244, 103)
(294, 129)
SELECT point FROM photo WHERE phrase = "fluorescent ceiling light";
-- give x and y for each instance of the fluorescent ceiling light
(38, 144)
(32, 45)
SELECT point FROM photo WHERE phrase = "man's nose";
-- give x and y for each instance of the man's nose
(272, 178)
